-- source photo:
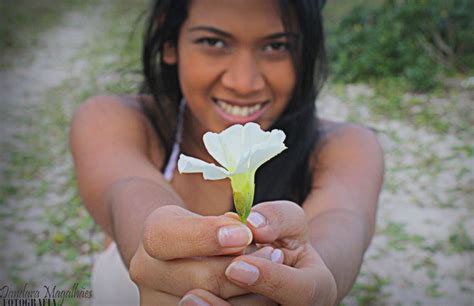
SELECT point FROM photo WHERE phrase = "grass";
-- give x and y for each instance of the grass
(457, 242)
(23, 21)
(398, 237)
(70, 233)
(390, 100)
(393, 100)
(370, 291)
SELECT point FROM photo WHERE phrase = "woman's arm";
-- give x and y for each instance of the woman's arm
(117, 180)
(323, 255)
(323, 243)
(342, 206)
(129, 198)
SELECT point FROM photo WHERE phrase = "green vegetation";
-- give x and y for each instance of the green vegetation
(415, 41)
(72, 233)
(458, 242)
(370, 292)
(42, 143)
(398, 238)
(22, 22)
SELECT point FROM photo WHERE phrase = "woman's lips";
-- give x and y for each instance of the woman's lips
(237, 113)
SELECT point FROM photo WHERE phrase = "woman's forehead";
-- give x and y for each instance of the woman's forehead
(261, 16)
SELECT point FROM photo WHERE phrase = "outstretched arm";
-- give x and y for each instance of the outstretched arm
(342, 206)
(129, 198)
(323, 243)
(118, 182)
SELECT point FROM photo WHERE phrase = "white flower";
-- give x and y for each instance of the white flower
(241, 150)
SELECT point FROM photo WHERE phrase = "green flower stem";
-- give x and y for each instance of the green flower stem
(243, 188)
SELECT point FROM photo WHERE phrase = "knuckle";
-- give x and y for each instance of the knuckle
(275, 285)
(207, 279)
(273, 281)
(148, 238)
(155, 239)
(311, 292)
(298, 210)
(135, 269)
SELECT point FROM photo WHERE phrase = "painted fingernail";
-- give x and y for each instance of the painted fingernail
(234, 236)
(256, 219)
(242, 272)
(277, 256)
(192, 300)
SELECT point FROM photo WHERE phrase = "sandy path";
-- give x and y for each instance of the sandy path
(24, 88)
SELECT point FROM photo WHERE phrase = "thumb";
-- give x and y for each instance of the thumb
(277, 220)
(283, 284)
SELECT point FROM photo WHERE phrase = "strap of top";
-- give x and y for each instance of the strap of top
(172, 161)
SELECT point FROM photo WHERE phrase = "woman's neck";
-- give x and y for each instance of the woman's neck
(192, 143)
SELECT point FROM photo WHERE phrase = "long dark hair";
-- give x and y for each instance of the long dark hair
(286, 176)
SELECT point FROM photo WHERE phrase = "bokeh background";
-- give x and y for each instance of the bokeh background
(402, 68)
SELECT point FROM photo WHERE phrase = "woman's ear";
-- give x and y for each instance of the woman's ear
(170, 55)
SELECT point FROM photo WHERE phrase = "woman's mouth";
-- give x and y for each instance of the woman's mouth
(238, 113)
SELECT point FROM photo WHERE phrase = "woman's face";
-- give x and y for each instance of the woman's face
(234, 63)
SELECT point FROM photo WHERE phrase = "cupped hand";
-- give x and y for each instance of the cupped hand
(303, 279)
(181, 250)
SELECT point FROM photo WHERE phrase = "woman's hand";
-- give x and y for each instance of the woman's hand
(181, 250)
(303, 279)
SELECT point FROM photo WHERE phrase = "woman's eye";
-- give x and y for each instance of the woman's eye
(276, 46)
(212, 42)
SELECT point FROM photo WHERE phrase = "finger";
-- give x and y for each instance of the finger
(202, 297)
(179, 276)
(283, 284)
(278, 220)
(251, 299)
(149, 297)
(232, 215)
(269, 253)
(174, 232)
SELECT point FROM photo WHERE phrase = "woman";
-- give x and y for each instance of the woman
(228, 62)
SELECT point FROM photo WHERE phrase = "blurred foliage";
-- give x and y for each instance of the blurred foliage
(22, 20)
(415, 40)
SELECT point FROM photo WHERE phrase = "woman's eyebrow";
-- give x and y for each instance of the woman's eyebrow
(210, 29)
(281, 35)
(226, 34)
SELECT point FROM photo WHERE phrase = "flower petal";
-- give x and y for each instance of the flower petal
(261, 155)
(253, 135)
(227, 146)
(187, 164)
(261, 147)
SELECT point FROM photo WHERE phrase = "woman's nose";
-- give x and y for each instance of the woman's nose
(243, 75)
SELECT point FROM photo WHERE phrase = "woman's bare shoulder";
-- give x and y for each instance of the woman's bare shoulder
(336, 130)
(343, 140)
(112, 105)
(115, 119)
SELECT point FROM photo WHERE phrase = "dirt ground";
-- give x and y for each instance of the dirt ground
(422, 252)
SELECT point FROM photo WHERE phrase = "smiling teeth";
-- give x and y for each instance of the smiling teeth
(241, 111)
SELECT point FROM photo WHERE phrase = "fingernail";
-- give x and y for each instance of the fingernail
(256, 219)
(277, 256)
(242, 272)
(234, 236)
(192, 300)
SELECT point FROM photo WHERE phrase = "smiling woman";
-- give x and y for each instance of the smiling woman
(236, 65)
(208, 65)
